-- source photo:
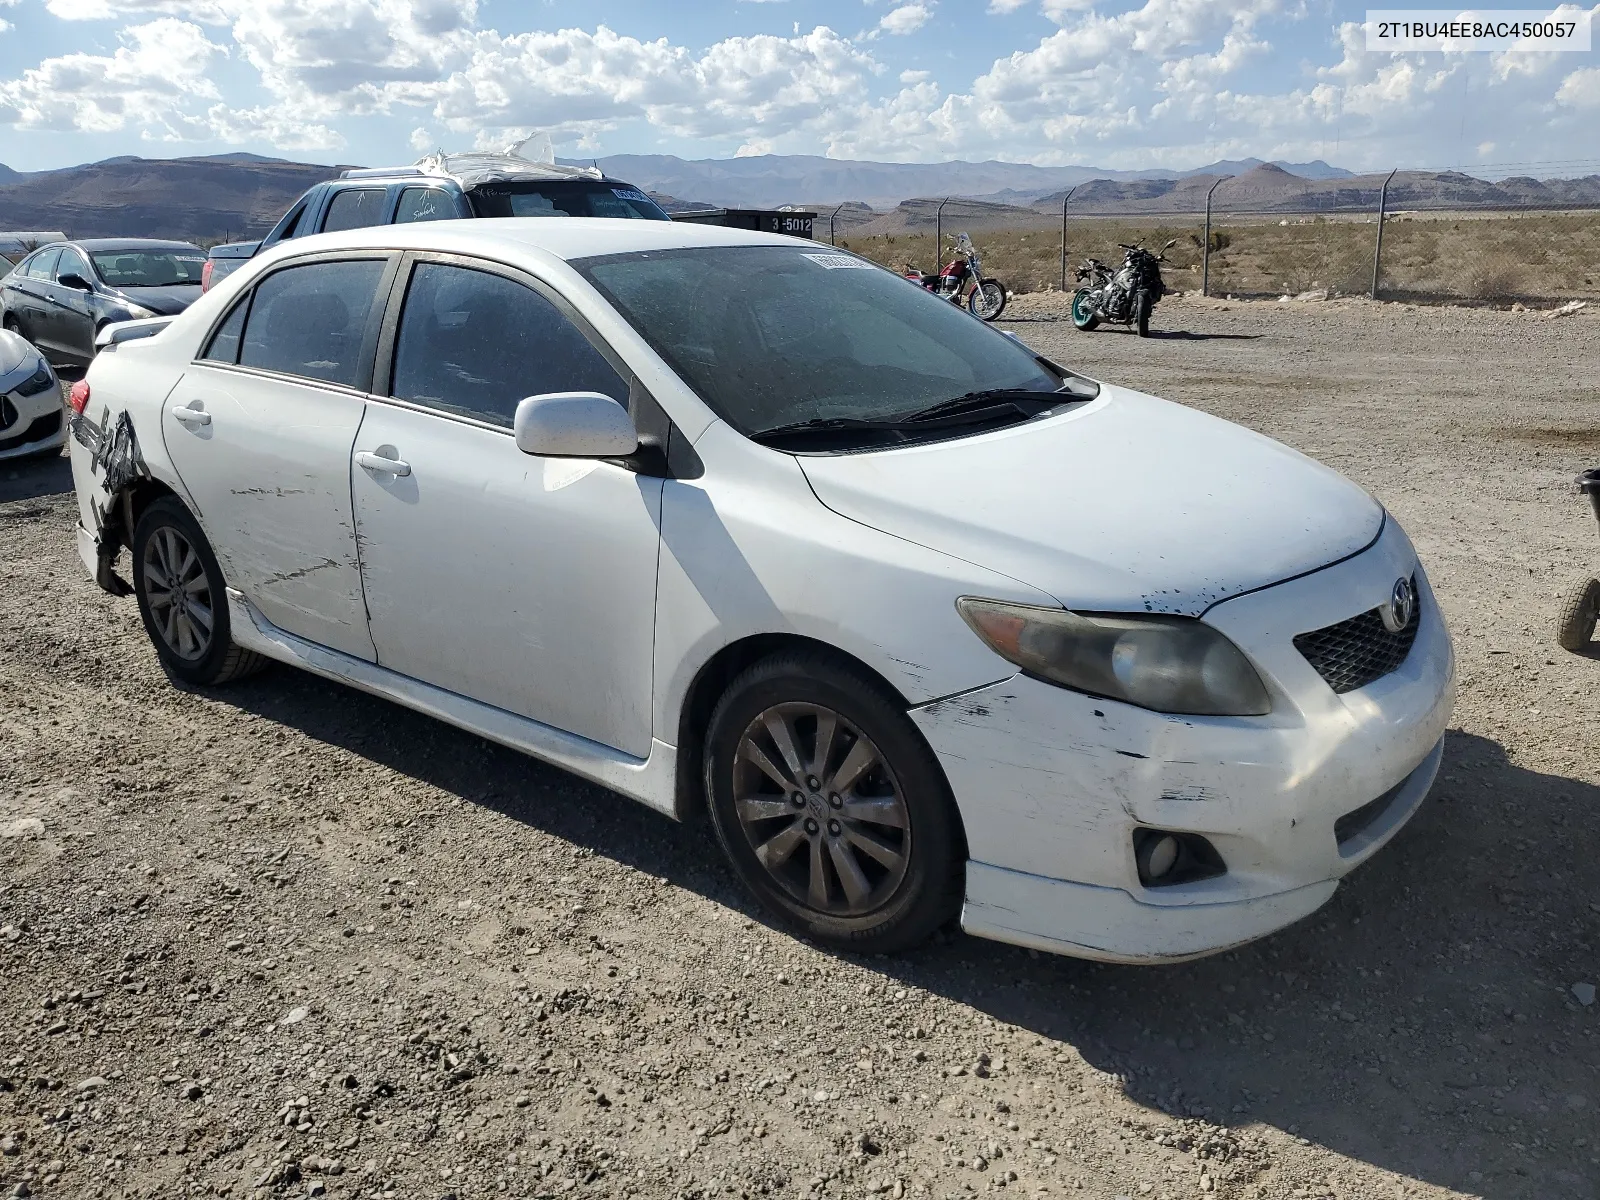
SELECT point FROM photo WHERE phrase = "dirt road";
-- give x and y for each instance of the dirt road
(286, 940)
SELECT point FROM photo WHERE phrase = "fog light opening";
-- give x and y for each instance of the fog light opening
(1164, 858)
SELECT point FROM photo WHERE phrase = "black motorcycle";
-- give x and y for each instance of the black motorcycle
(1126, 297)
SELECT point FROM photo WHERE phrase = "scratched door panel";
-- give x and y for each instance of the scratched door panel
(270, 474)
(523, 582)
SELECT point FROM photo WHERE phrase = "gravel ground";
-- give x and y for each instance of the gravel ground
(284, 939)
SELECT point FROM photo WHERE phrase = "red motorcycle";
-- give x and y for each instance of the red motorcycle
(963, 281)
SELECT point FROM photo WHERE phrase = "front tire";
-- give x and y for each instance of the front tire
(1142, 307)
(1083, 313)
(988, 300)
(1580, 607)
(183, 599)
(830, 806)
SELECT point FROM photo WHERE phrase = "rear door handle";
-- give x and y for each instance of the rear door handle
(191, 416)
(379, 465)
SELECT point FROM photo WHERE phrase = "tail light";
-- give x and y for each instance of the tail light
(78, 397)
(205, 276)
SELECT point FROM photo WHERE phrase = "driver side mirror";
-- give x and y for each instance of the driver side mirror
(574, 425)
(73, 280)
(1169, 245)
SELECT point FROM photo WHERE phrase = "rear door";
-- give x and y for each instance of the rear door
(261, 429)
(27, 301)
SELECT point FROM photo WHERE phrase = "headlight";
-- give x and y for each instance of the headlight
(41, 380)
(137, 312)
(1169, 664)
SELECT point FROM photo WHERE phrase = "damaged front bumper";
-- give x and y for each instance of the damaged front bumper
(1053, 785)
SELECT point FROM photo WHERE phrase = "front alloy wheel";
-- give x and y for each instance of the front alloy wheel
(821, 809)
(830, 805)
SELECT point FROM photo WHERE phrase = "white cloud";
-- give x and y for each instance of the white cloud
(1006, 6)
(151, 83)
(908, 18)
(1581, 89)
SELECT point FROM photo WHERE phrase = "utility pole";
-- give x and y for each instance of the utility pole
(938, 233)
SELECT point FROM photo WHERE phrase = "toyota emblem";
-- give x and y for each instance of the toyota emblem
(1402, 606)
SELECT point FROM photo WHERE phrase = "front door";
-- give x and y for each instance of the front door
(525, 583)
(261, 431)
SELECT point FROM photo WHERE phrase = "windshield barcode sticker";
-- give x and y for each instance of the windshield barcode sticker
(839, 262)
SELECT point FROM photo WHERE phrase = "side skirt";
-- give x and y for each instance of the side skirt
(651, 781)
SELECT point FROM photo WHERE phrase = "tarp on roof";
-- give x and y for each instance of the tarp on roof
(530, 159)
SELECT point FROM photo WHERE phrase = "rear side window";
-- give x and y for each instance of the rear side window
(424, 204)
(476, 344)
(355, 208)
(44, 266)
(224, 346)
(310, 321)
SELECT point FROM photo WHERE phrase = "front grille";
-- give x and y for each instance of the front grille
(41, 427)
(1353, 653)
(8, 413)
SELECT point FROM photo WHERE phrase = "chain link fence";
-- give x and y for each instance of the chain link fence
(1451, 253)
(1456, 255)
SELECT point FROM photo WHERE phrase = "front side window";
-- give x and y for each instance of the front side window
(564, 198)
(311, 320)
(148, 268)
(355, 208)
(71, 263)
(44, 264)
(770, 336)
(424, 204)
(475, 343)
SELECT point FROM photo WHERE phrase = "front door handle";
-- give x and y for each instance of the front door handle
(379, 465)
(191, 416)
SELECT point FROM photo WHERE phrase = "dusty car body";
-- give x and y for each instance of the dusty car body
(1105, 675)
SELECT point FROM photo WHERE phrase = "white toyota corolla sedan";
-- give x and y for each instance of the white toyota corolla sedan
(927, 623)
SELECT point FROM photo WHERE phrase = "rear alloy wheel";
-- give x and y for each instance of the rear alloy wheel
(182, 597)
(831, 807)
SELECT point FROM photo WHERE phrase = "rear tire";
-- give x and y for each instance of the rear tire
(1083, 314)
(1142, 306)
(183, 598)
(869, 857)
(1580, 608)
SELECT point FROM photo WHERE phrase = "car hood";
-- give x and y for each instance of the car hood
(1127, 504)
(164, 301)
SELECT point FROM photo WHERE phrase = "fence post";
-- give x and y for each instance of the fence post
(1377, 249)
(1064, 200)
(1205, 247)
(831, 216)
(938, 233)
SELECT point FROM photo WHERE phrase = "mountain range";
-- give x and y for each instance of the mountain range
(223, 196)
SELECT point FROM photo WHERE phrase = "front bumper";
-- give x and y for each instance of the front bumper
(35, 433)
(1052, 784)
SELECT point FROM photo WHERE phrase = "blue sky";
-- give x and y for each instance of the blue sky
(1171, 83)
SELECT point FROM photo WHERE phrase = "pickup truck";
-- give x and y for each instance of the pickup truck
(438, 188)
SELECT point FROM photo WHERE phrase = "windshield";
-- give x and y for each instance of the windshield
(149, 268)
(770, 336)
(563, 198)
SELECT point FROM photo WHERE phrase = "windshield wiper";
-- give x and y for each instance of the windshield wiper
(829, 425)
(985, 401)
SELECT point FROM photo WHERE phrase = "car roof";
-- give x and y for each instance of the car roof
(110, 245)
(565, 238)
